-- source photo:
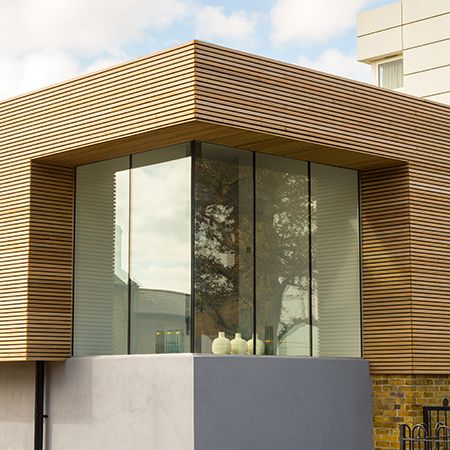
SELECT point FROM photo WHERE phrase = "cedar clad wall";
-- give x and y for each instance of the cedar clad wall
(255, 93)
(387, 290)
(35, 256)
(406, 286)
(200, 91)
(50, 284)
(430, 258)
(14, 249)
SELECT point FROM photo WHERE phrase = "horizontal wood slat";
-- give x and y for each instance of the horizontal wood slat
(50, 262)
(14, 257)
(253, 92)
(430, 235)
(102, 106)
(387, 304)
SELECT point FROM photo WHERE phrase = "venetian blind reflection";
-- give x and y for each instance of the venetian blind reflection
(335, 261)
(101, 258)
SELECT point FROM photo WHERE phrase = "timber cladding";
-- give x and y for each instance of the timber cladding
(200, 91)
(50, 285)
(387, 290)
(36, 198)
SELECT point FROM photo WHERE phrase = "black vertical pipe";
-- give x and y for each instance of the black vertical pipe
(39, 406)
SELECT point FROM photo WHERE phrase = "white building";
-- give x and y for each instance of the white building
(407, 43)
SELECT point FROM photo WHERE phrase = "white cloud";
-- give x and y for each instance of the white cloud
(338, 63)
(161, 251)
(34, 70)
(43, 41)
(309, 21)
(103, 63)
(47, 41)
(85, 27)
(43, 68)
(213, 22)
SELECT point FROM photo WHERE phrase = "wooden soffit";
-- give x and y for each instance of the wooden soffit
(222, 135)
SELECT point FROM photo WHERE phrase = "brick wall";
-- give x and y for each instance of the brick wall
(399, 399)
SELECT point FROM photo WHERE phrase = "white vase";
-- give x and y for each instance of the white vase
(221, 345)
(238, 345)
(259, 346)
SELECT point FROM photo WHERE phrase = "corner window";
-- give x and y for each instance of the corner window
(390, 74)
(186, 248)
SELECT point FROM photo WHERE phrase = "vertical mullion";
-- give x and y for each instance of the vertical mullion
(129, 255)
(194, 154)
(361, 317)
(310, 265)
(74, 215)
(254, 250)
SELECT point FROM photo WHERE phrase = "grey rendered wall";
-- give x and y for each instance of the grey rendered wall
(273, 403)
(121, 403)
(194, 402)
(16, 406)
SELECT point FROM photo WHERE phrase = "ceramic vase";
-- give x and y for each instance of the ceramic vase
(221, 345)
(238, 345)
(259, 346)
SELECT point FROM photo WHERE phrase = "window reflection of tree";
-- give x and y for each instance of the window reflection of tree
(223, 230)
(224, 249)
(282, 256)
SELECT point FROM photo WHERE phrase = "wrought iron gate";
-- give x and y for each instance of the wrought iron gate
(419, 438)
(432, 434)
(432, 415)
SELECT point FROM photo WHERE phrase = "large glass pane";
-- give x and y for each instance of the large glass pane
(223, 245)
(299, 224)
(101, 258)
(160, 259)
(335, 261)
(282, 255)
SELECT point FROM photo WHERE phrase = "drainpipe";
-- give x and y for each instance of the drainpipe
(39, 406)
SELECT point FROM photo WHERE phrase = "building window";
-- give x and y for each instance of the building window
(284, 317)
(133, 253)
(169, 341)
(390, 74)
(177, 245)
(160, 247)
(101, 258)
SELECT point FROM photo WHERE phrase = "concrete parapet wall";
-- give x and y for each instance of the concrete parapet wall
(16, 406)
(190, 402)
(187, 402)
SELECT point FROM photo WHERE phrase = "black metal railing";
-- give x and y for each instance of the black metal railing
(419, 437)
(432, 415)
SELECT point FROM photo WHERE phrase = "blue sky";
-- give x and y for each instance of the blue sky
(46, 41)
